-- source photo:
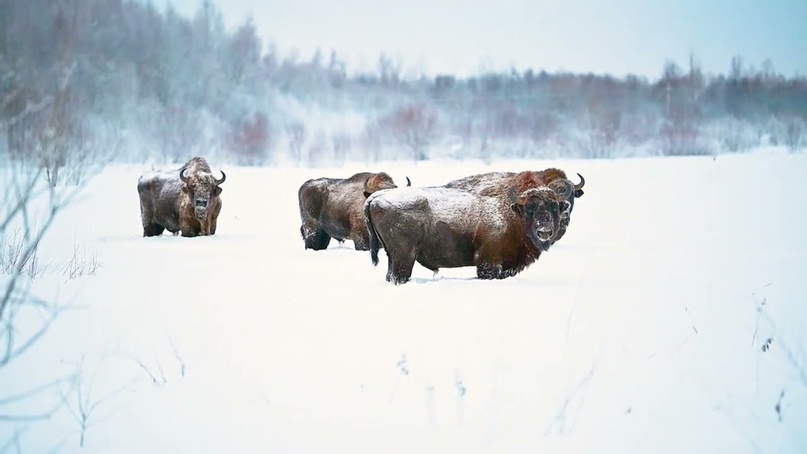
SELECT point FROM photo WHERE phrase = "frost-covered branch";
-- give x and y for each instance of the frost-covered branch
(29, 207)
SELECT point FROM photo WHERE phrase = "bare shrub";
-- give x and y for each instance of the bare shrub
(12, 258)
(602, 132)
(639, 129)
(82, 399)
(81, 263)
(178, 130)
(341, 147)
(250, 139)
(795, 134)
(317, 149)
(296, 134)
(414, 126)
(542, 126)
(371, 142)
(682, 139)
(29, 205)
(484, 131)
(735, 135)
(50, 131)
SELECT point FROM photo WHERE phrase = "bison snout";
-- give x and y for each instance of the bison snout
(201, 203)
(544, 234)
(543, 237)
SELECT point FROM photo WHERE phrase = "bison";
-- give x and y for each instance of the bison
(494, 182)
(332, 208)
(185, 201)
(501, 233)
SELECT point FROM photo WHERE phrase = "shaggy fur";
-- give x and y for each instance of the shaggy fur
(493, 182)
(332, 208)
(500, 234)
(185, 201)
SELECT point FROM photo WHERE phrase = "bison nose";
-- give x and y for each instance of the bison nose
(201, 203)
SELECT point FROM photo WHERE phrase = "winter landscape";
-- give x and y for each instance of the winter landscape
(669, 318)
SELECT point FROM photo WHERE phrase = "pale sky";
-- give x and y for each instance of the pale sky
(599, 36)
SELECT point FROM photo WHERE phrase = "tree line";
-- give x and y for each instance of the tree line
(82, 78)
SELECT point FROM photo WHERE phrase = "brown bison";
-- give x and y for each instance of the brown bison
(184, 201)
(501, 233)
(495, 182)
(332, 208)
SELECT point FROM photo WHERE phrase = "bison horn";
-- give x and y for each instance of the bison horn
(367, 187)
(223, 177)
(563, 187)
(408, 181)
(581, 184)
(182, 175)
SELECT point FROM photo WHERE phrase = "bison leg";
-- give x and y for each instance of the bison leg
(361, 242)
(190, 231)
(389, 268)
(490, 272)
(495, 272)
(315, 239)
(153, 229)
(401, 266)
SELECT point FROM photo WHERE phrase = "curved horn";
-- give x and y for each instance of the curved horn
(563, 187)
(223, 177)
(581, 184)
(367, 187)
(408, 181)
(182, 175)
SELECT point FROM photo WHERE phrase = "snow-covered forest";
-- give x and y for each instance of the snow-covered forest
(127, 81)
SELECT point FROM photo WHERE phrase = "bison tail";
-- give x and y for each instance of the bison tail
(375, 244)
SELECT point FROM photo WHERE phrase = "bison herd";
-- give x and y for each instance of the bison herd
(499, 222)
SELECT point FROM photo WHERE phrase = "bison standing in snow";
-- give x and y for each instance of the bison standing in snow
(492, 183)
(332, 208)
(185, 201)
(501, 233)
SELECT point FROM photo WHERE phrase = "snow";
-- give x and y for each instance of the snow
(444, 204)
(642, 329)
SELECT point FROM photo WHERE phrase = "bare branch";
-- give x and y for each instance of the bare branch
(34, 391)
(178, 357)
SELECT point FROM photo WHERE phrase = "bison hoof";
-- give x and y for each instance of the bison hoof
(398, 280)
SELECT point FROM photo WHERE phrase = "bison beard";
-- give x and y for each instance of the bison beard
(332, 208)
(449, 228)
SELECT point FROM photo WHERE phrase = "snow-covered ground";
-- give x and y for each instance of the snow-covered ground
(641, 330)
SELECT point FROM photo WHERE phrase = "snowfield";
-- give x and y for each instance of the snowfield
(646, 328)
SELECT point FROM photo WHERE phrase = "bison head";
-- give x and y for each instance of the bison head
(201, 188)
(566, 191)
(540, 209)
(379, 181)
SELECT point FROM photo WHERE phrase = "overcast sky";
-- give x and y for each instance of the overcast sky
(600, 36)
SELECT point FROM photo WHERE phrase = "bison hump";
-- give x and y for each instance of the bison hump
(527, 180)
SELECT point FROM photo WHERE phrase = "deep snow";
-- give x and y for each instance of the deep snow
(633, 333)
